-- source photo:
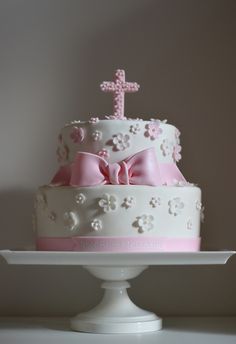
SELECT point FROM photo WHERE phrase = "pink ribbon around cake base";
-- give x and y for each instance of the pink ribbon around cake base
(118, 244)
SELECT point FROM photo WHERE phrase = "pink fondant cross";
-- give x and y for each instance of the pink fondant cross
(119, 87)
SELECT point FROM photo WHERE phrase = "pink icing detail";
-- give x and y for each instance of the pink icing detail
(141, 168)
(118, 244)
(103, 153)
(119, 87)
(77, 135)
(176, 152)
(153, 130)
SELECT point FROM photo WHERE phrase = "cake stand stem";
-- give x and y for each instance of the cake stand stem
(116, 313)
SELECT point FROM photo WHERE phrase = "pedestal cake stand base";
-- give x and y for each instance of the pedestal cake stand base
(116, 313)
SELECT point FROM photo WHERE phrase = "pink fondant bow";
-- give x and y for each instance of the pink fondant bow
(141, 168)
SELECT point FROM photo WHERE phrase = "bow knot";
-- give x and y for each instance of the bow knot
(118, 173)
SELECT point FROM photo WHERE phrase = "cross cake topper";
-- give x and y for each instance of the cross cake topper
(119, 87)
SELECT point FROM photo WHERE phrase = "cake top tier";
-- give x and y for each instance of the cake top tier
(117, 149)
(117, 137)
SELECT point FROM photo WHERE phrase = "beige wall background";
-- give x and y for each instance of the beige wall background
(53, 55)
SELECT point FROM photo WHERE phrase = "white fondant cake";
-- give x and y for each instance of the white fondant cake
(118, 187)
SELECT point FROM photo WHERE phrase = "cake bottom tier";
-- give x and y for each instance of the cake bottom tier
(118, 218)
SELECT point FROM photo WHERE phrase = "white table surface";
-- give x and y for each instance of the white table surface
(182, 330)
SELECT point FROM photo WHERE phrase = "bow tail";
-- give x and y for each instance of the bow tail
(62, 176)
(170, 174)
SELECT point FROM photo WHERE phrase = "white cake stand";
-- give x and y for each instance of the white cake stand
(116, 313)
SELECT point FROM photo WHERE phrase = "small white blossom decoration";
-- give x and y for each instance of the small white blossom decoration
(175, 206)
(41, 200)
(144, 223)
(134, 128)
(166, 147)
(155, 201)
(96, 224)
(52, 216)
(94, 120)
(129, 202)
(71, 221)
(121, 141)
(189, 224)
(176, 152)
(97, 135)
(177, 135)
(198, 205)
(80, 198)
(202, 215)
(182, 183)
(108, 203)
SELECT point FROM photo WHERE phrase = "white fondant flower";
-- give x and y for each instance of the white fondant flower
(154, 202)
(144, 223)
(96, 224)
(62, 153)
(176, 152)
(158, 120)
(75, 122)
(121, 141)
(134, 128)
(202, 215)
(71, 220)
(198, 205)
(189, 224)
(153, 130)
(166, 147)
(80, 198)
(97, 135)
(129, 202)
(182, 183)
(134, 119)
(52, 216)
(41, 200)
(104, 153)
(177, 135)
(175, 206)
(94, 120)
(108, 203)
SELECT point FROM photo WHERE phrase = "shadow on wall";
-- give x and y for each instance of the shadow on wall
(174, 68)
(16, 229)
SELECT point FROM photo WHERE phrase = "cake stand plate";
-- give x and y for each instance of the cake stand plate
(116, 313)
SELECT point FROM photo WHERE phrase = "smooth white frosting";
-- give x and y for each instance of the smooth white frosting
(103, 135)
(113, 210)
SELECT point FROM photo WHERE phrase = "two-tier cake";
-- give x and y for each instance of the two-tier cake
(118, 187)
